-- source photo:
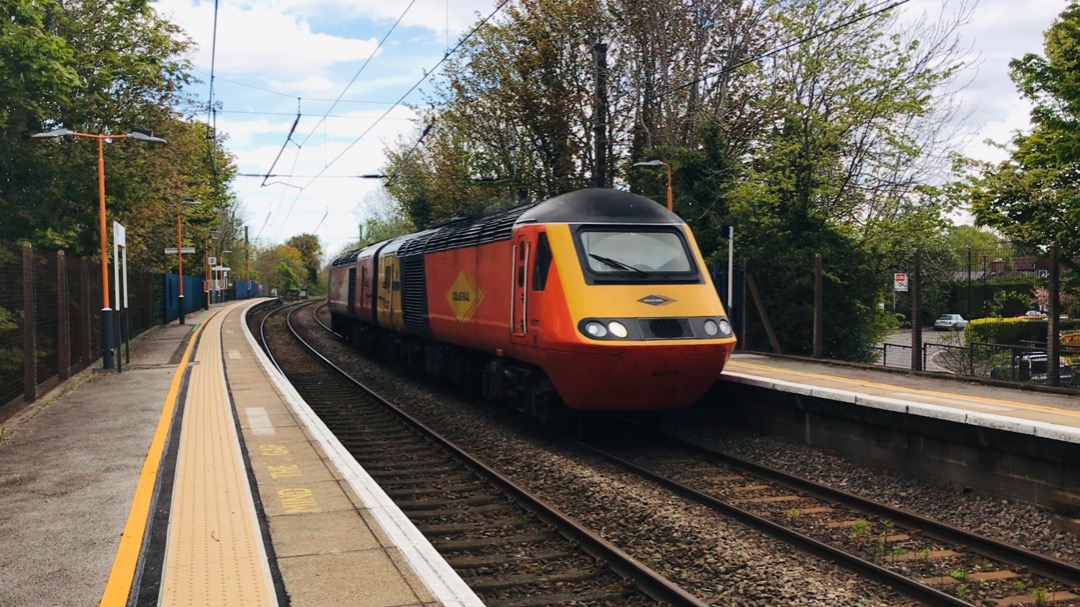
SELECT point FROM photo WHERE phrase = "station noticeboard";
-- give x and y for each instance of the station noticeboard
(900, 281)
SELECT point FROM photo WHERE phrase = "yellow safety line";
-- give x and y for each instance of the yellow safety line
(962, 397)
(127, 554)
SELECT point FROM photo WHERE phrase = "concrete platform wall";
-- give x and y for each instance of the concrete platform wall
(1012, 465)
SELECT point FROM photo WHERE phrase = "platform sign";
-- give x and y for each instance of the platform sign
(900, 281)
(172, 250)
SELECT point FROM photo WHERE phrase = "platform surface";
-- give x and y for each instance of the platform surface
(264, 504)
(1053, 414)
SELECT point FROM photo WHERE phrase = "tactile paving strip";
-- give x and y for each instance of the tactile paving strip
(214, 553)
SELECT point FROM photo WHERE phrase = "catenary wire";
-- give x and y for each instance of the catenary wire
(426, 75)
(359, 71)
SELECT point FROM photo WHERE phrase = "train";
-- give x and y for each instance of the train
(597, 300)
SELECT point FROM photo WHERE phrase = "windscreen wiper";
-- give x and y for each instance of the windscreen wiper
(616, 264)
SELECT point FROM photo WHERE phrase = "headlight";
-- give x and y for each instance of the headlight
(595, 329)
(711, 328)
(725, 326)
(617, 329)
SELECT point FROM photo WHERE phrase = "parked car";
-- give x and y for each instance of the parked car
(950, 322)
(1032, 367)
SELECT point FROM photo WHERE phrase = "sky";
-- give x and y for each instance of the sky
(339, 65)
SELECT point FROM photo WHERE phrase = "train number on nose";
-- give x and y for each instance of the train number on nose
(662, 373)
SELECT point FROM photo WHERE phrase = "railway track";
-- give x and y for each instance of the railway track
(504, 542)
(934, 563)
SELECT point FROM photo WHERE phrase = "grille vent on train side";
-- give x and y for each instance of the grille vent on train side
(352, 289)
(414, 306)
(665, 328)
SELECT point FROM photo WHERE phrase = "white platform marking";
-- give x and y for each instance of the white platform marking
(259, 421)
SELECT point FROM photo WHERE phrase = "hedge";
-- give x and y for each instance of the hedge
(1012, 331)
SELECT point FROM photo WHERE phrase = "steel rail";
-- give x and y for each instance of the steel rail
(1036, 563)
(905, 585)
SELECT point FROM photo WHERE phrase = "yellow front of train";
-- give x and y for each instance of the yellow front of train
(644, 327)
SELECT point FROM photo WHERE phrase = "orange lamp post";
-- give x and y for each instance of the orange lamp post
(106, 310)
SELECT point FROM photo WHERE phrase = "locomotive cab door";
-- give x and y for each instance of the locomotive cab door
(519, 307)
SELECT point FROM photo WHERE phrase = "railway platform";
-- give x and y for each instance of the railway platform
(197, 476)
(1023, 409)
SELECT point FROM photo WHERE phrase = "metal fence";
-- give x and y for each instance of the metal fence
(195, 294)
(792, 314)
(49, 309)
(1022, 363)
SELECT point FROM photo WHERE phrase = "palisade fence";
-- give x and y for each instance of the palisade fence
(49, 317)
(979, 284)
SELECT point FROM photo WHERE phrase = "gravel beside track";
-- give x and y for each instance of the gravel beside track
(1009, 521)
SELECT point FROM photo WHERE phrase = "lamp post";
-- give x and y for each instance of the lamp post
(657, 163)
(106, 310)
(180, 251)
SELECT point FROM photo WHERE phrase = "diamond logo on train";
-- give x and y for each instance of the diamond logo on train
(656, 300)
(464, 297)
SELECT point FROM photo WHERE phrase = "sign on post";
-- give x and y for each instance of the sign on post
(123, 326)
(900, 281)
(172, 250)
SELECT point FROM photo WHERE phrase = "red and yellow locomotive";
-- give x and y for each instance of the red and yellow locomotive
(593, 300)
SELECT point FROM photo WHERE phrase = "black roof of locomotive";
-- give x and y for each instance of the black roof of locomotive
(592, 205)
(598, 205)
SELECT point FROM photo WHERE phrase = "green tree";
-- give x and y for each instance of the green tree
(514, 118)
(286, 277)
(268, 263)
(514, 115)
(962, 238)
(840, 171)
(310, 254)
(384, 220)
(101, 66)
(1034, 196)
(36, 64)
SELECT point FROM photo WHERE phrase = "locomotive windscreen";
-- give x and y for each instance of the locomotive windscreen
(640, 254)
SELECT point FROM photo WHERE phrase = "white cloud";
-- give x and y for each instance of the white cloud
(443, 18)
(1000, 31)
(257, 39)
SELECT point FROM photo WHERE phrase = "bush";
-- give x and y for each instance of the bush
(1011, 331)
